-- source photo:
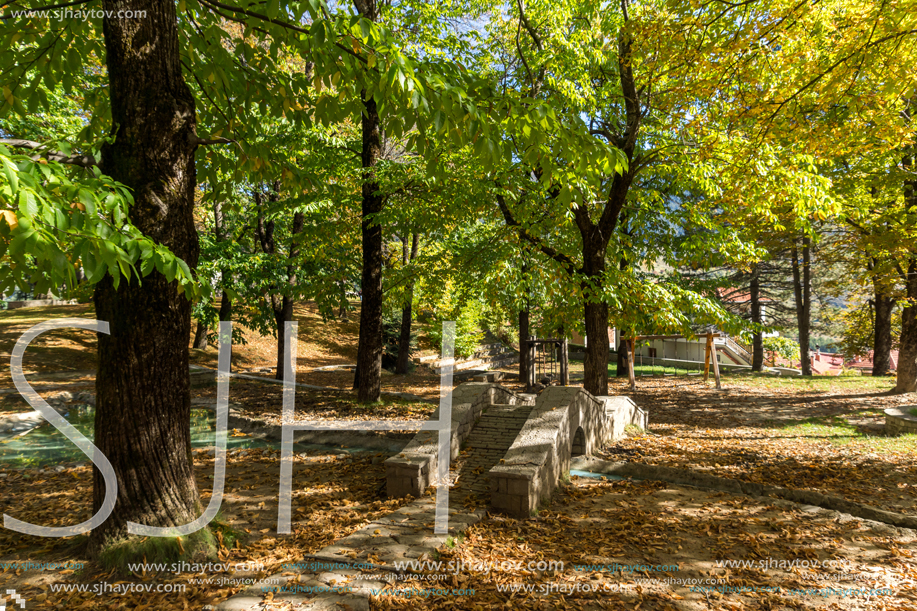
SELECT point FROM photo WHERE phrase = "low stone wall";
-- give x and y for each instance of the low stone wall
(565, 422)
(900, 421)
(622, 412)
(34, 303)
(411, 471)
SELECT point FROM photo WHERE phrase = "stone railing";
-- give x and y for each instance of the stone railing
(565, 422)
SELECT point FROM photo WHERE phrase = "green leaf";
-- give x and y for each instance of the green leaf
(28, 205)
(89, 201)
(318, 33)
(11, 173)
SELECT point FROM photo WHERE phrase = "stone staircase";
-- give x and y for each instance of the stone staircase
(488, 356)
(487, 444)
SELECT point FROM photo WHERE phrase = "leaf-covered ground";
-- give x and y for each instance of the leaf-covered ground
(321, 343)
(333, 495)
(821, 434)
(829, 438)
(264, 401)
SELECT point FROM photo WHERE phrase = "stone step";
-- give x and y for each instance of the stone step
(482, 351)
(490, 376)
(507, 358)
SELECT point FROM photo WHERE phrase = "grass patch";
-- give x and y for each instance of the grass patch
(198, 546)
(839, 432)
(913, 411)
(453, 542)
(817, 384)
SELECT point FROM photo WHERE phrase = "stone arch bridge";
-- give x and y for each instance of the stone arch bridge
(510, 450)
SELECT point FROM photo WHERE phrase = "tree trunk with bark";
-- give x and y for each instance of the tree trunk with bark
(524, 334)
(595, 367)
(283, 312)
(200, 336)
(883, 306)
(802, 289)
(368, 378)
(621, 361)
(404, 339)
(281, 304)
(219, 226)
(757, 342)
(225, 306)
(143, 407)
(907, 353)
(622, 131)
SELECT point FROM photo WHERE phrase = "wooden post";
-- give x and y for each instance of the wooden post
(716, 369)
(630, 367)
(564, 364)
(707, 356)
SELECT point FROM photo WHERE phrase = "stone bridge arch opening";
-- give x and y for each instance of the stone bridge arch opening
(578, 448)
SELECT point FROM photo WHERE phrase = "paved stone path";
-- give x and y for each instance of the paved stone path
(347, 571)
(344, 574)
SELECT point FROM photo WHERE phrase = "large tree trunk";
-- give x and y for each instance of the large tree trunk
(219, 225)
(368, 377)
(907, 353)
(404, 340)
(883, 305)
(143, 407)
(757, 342)
(283, 312)
(802, 292)
(281, 304)
(597, 349)
(882, 325)
(225, 306)
(595, 379)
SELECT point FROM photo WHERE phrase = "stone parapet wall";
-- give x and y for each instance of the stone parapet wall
(36, 303)
(899, 421)
(565, 422)
(541, 453)
(622, 412)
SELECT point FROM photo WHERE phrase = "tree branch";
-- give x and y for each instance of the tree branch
(277, 22)
(208, 141)
(84, 161)
(41, 9)
(566, 262)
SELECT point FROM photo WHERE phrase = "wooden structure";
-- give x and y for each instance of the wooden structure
(550, 358)
(709, 352)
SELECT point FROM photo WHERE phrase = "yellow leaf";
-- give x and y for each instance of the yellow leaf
(10, 218)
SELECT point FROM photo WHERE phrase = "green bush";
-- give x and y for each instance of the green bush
(784, 346)
(391, 337)
(468, 334)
